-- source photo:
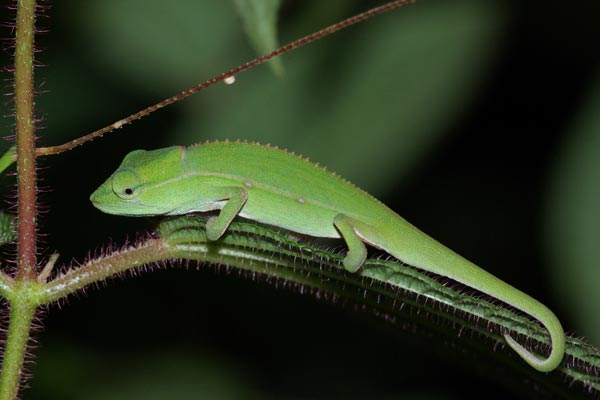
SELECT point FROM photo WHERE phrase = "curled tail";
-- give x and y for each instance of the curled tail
(479, 279)
(557, 338)
(409, 244)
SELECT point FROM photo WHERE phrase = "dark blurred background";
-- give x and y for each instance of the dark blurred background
(475, 120)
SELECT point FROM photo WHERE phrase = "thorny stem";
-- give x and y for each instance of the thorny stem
(43, 151)
(25, 125)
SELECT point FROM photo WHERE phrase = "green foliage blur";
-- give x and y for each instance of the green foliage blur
(475, 120)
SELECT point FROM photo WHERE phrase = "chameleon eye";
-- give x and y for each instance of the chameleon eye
(124, 184)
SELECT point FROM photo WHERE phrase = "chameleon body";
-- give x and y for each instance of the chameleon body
(275, 187)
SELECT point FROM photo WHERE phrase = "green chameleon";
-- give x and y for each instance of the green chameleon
(274, 187)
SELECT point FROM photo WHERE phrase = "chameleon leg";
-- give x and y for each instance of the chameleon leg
(357, 251)
(236, 198)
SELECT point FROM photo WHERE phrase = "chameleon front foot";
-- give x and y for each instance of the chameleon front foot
(235, 198)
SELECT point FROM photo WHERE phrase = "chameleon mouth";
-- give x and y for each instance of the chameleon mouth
(96, 198)
(103, 206)
(100, 195)
(105, 201)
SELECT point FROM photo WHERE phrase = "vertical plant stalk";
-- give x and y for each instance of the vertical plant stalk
(25, 125)
(21, 316)
(22, 308)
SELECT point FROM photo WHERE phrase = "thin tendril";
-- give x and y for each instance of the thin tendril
(43, 151)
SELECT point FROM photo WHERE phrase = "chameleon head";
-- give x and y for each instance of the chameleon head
(137, 187)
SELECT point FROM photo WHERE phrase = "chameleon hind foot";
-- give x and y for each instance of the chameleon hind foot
(357, 251)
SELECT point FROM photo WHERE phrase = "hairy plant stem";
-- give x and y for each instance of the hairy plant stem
(22, 311)
(25, 123)
(386, 288)
(22, 300)
(99, 269)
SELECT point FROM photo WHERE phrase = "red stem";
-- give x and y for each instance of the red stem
(25, 125)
